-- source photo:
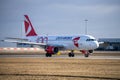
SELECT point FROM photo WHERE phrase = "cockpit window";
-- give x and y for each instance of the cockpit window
(91, 40)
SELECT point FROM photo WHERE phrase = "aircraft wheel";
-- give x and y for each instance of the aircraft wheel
(48, 55)
(71, 55)
(87, 55)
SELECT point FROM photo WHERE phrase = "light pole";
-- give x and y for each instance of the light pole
(86, 26)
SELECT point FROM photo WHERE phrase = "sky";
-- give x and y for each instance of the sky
(60, 17)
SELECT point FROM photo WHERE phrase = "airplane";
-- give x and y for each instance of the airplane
(53, 44)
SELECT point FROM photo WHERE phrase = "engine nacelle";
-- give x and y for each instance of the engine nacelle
(51, 49)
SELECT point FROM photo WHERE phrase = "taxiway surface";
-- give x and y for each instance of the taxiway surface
(60, 56)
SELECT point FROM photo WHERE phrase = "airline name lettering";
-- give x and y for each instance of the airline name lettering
(64, 38)
(42, 39)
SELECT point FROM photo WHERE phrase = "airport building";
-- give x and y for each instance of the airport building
(110, 44)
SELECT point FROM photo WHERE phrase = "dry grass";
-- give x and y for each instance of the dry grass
(58, 69)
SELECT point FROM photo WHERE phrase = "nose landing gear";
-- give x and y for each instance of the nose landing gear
(87, 54)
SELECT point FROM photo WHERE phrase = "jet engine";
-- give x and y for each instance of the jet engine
(51, 49)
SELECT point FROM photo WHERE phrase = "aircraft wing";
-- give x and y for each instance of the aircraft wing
(14, 40)
(22, 39)
(25, 42)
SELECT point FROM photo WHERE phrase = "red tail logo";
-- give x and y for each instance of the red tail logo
(75, 40)
(29, 30)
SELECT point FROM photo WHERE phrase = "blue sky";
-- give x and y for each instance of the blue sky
(61, 17)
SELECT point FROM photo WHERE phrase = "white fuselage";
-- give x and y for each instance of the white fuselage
(84, 42)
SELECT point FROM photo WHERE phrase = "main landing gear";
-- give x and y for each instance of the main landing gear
(71, 54)
(48, 55)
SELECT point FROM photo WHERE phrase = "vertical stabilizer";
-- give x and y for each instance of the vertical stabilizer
(29, 30)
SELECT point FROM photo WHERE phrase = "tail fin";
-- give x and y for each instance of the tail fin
(29, 30)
